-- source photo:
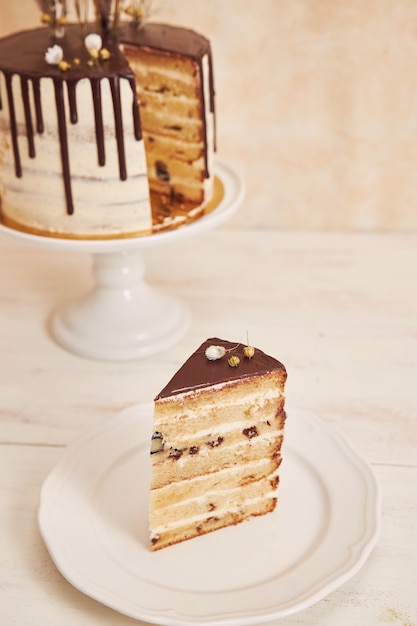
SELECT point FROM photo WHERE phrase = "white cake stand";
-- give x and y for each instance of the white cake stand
(123, 317)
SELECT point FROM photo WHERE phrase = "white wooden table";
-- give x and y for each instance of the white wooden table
(340, 310)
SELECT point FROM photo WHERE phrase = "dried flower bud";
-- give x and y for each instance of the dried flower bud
(104, 54)
(54, 55)
(93, 42)
(249, 351)
(130, 10)
(234, 361)
(76, 61)
(64, 66)
(93, 53)
(213, 353)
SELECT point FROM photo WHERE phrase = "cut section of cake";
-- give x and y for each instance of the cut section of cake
(174, 77)
(216, 446)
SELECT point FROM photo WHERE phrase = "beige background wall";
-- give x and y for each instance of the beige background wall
(317, 105)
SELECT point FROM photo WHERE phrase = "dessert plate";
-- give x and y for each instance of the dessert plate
(93, 519)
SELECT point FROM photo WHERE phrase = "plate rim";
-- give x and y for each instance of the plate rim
(175, 618)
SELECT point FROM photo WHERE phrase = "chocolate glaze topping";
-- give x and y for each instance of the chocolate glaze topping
(199, 372)
(23, 54)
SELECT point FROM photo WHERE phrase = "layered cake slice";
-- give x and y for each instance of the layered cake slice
(216, 446)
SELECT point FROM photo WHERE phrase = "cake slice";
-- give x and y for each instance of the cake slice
(216, 446)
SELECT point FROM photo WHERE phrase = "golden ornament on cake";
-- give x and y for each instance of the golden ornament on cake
(216, 446)
(107, 127)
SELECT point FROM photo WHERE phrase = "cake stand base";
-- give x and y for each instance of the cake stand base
(123, 317)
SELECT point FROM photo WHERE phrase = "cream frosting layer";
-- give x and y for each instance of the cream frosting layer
(211, 481)
(210, 458)
(231, 428)
(235, 497)
(257, 398)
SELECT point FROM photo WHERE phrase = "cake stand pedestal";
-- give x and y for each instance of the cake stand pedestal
(123, 317)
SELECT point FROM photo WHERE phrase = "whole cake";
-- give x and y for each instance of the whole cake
(216, 447)
(105, 136)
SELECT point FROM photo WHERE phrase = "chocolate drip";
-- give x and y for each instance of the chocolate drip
(24, 83)
(63, 142)
(135, 111)
(203, 115)
(72, 101)
(212, 100)
(98, 116)
(118, 122)
(13, 125)
(36, 86)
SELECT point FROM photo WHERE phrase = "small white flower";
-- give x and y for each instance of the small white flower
(213, 353)
(93, 42)
(54, 55)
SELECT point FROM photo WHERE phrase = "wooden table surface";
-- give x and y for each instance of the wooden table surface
(340, 310)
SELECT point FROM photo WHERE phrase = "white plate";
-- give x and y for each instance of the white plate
(93, 518)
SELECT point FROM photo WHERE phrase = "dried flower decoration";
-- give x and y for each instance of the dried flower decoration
(104, 54)
(64, 66)
(138, 11)
(108, 13)
(249, 352)
(213, 353)
(93, 43)
(54, 55)
(54, 15)
(81, 9)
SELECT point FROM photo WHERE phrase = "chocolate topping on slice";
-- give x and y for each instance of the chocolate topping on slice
(199, 372)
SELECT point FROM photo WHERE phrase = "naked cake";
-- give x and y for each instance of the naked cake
(216, 446)
(105, 135)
